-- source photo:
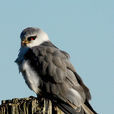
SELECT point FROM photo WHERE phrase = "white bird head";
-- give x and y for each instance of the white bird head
(31, 37)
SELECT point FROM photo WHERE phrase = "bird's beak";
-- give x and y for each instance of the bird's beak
(24, 42)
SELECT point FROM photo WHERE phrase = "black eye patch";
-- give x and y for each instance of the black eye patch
(31, 38)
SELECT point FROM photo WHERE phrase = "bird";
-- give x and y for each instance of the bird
(48, 72)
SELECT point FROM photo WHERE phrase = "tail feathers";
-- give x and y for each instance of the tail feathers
(86, 109)
(70, 109)
(67, 109)
(90, 107)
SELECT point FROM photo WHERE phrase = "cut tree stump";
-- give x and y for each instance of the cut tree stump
(29, 105)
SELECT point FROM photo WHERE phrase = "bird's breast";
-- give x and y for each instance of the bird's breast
(31, 76)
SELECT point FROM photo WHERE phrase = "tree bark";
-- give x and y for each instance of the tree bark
(29, 105)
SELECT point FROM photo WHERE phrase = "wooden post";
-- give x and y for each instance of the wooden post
(29, 105)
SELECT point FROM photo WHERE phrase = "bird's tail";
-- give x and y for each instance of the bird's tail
(88, 106)
(83, 109)
(67, 109)
(86, 109)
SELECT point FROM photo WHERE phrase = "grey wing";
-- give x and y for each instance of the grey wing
(69, 86)
(78, 78)
(74, 92)
(58, 75)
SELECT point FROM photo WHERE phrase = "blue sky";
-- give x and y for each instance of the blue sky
(83, 28)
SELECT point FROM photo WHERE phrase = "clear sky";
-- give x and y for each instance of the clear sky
(83, 28)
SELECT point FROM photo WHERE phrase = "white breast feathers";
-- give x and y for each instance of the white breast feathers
(31, 77)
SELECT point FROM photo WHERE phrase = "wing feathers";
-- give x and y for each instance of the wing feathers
(59, 75)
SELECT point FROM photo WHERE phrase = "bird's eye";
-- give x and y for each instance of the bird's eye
(31, 38)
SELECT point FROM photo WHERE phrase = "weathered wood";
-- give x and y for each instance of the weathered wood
(29, 105)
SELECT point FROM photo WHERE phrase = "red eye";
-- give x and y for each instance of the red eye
(31, 38)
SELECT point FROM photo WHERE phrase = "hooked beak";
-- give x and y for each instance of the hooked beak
(24, 42)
